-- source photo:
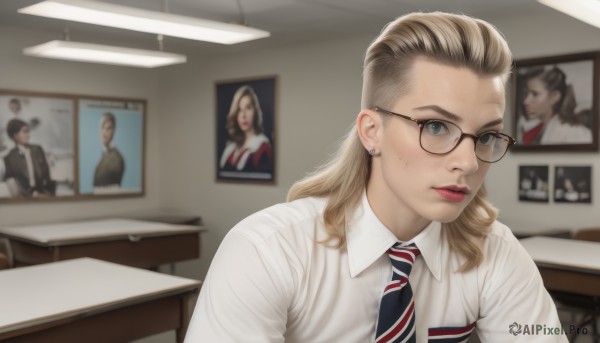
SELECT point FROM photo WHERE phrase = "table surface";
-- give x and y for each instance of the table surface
(43, 293)
(561, 252)
(60, 233)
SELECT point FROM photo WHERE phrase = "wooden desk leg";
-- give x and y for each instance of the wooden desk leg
(185, 316)
(55, 253)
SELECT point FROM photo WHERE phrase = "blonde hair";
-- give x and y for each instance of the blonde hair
(235, 133)
(452, 39)
(108, 117)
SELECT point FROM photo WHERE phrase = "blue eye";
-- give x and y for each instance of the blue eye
(487, 138)
(436, 128)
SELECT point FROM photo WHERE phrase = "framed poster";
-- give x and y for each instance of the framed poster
(573, 184)
(555, 103)
(111, 146)
(533, 183)
(246, 129)
(37, 147)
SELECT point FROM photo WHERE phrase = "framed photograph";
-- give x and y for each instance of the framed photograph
(37, 147)
(555, 103)
(111, 146)
(246, 129)
(533, 183)
(573, 184)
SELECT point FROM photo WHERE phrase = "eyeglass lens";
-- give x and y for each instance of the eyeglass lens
(440, 137)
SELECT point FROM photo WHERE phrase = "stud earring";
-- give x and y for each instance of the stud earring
(372, 152)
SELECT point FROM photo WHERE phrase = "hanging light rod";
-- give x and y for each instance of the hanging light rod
(587, 11)
(130, 18)
(106, 54)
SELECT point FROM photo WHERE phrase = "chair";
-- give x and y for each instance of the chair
(588, 305)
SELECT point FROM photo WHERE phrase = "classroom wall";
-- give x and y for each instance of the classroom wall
(19, 72)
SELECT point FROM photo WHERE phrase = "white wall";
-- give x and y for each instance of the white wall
(19, 72)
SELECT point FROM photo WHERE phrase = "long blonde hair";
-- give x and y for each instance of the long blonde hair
(452, 39)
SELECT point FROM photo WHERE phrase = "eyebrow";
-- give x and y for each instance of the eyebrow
(455, 117)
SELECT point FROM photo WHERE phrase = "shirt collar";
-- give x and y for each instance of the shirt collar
(22, 148)
(368, 239)
(106, 149)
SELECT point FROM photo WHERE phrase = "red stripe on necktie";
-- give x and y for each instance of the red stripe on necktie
(400, 325)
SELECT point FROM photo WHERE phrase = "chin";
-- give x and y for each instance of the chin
(445, 214)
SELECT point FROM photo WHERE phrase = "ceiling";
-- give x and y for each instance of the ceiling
(289, 21)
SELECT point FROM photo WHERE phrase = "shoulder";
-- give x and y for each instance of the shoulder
(258, 141)
(504, 255)
(115, 154)
(35, 148)
(12, 153)
(229, 147)
(565, 132)
(283, 220)
(499, 239)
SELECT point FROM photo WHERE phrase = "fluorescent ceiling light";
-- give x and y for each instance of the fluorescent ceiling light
(85, 52)
(101, 13)
(585, 10)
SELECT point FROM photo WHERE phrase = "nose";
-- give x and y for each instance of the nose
(463, 158)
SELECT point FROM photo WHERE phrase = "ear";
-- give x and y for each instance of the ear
(369, 126)
(555, 96)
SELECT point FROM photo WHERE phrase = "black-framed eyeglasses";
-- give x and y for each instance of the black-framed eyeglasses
(441, 137)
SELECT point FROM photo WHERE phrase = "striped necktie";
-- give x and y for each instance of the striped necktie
(396, 321)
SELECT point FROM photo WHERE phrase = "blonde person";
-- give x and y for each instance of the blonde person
(403, 197)
(248, 148)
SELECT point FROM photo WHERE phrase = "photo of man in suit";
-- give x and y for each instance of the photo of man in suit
(26, 163)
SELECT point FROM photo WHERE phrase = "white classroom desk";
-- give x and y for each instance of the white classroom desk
(566, 264)
(132, 242)
(88, 300)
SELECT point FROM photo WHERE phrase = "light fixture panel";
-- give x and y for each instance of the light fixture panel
(587, 11)
(106, 54)
(130, 18)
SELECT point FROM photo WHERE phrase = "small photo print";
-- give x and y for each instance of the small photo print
(246, 130)
(573, 184)
(37, 159)
(111, 146)
(533, 183)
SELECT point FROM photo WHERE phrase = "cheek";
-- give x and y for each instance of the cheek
(405, 161)
(480, 175)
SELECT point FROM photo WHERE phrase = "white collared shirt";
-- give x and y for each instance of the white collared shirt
(270, 281)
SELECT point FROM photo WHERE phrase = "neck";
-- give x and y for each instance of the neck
(249, 135)
(397, 217)
(546, 117)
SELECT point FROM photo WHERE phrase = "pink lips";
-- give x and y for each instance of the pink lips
(453, 193)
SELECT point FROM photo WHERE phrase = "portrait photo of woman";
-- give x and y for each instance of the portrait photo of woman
(245, 130)
(555, 105)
